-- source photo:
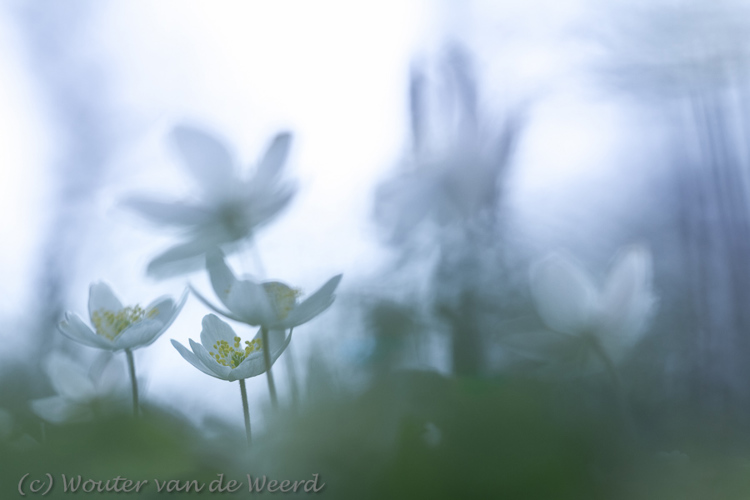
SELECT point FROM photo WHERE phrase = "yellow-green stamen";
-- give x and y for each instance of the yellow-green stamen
(110, 324)
(233, 355)
(282, 297)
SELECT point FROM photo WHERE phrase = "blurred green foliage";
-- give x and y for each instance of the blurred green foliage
(410, 434)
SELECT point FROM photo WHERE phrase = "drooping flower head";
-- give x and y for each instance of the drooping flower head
(117, 327)
(272, 305)
(229, 207)
(222, 353)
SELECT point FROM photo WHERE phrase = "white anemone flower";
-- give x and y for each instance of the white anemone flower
(615, 317)
(222, 354)
(117, 327)
(271, 305)
(229, 208)
(80, 396)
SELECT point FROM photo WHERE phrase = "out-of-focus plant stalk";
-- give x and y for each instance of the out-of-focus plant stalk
(245, 411)
(623, 403)
(269, 374)
(133, 380)
(291, 373)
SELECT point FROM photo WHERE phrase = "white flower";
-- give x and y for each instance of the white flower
(272, 305)
(221, 353)
(230, 207)
(616, 316)
(117, 327)
(453, 177)
(81, 396)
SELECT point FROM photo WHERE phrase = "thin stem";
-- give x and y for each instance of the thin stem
(291, 372)
(133, 381)
(267, 360)
(245, 410)
(622, 398)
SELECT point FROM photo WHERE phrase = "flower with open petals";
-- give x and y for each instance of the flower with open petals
(223, 355)
(80, 396)
(272, 305)
(117, 327)
(229, 207)
(615, 316)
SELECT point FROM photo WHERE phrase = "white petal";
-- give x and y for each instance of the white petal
(171, 214)
(314, 304)
(167, 312)
(220, 371)
(182, 258)
(214, 308)
(138, 334)
(207, 158)
(58, 410)
(255, 365)
(215, 330)
(68, 378)
(245, 299)
(274, 158)
(265, 205)
(222, 277)
(252, 366)
(564, 295)
(112, 379)
(74, 328)
(276, 338)
(192, 358)
(163, 307)
(101, 297)
(627, 302)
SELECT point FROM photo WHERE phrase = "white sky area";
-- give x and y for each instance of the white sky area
(333, 72)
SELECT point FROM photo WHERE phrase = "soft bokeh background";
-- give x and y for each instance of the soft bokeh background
(440, 148)
(91, 90)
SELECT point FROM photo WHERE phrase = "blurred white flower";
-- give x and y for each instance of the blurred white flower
(229, 208)
(117, 327)
(222, 355)
(454, 174)
(615, 317)
(81, 396)
(272, 305)
(10, 437)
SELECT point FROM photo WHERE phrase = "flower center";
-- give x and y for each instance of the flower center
(110, 324)
(234, 220)
(282, 298)
(233, 355)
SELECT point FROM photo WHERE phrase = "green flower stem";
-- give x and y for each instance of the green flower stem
(291, 372)
(245, 410)
(267, 360)
(133, 381)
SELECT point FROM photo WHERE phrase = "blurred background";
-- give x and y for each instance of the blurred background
(440, 149)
